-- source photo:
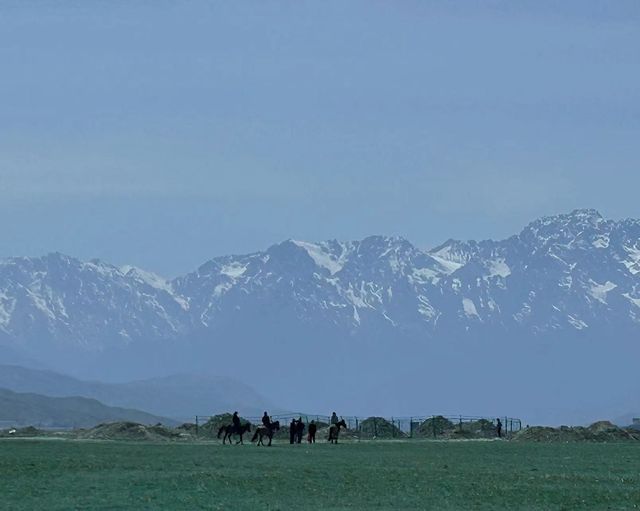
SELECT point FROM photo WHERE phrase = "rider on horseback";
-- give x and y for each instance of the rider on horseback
(266, 420)
(235, 420)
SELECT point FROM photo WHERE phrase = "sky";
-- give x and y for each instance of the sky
(163, 133)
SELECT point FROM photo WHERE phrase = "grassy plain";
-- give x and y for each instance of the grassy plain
(107, 475)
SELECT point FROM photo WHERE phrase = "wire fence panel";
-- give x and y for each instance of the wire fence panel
(414, 427)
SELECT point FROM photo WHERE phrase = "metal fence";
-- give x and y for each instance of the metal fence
(418, 426)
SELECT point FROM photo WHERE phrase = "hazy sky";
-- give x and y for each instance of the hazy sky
(162, 133)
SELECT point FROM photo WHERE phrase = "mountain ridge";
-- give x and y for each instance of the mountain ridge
(178, 396)
(379, 307)
(32, 409)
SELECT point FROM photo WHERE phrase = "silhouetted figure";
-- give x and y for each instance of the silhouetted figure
(499, 427)
(266, 420)
(312, 432)
(299, 430)
(235, 420)
(334, 418)
(334, 431)
(263, 431)
(292, 431)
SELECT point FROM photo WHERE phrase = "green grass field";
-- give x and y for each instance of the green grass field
(66, 474)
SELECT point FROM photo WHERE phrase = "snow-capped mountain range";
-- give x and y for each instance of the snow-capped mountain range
(568, 272)
(570, 276)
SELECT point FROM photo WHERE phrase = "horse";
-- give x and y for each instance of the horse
(231, 430)
(263, 431)
(334, 431)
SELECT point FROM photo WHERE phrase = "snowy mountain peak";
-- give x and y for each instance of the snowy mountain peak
(571, 271)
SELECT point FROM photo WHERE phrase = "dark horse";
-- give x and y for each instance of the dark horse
(231, 430)
(334, 431)
(263, 431)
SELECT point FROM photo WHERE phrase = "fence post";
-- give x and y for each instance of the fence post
(196, 426)
(410, 427)
(393, 429)
(433, 425)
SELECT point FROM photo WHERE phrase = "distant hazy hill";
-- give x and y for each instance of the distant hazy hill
(178, 396)
(64, 412)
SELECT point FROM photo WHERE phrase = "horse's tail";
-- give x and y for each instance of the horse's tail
(220, 431)
(255, 435)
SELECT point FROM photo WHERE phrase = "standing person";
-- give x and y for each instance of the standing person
(312, 432)
(499, 427)
(299, 430)
(266, 420)
(292, 431)
(334, 418)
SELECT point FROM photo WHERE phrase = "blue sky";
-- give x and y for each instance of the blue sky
(164, 133)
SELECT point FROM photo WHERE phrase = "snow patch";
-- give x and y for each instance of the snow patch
(321, 257)
(577, 323)
(41, 304)
(221, 289)
(147, 277)
(601, 241)
(447, 266)
(155, 281)
(633, 263)
(634, 301)
(355, 300)
(469, 307)
(423, 275)
(234, 270)
(425, 308)
(7, 306)
(599, 291)
(566, 282)
(498, 267)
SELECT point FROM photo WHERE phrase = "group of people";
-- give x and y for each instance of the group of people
(296, 431)
(296, 427)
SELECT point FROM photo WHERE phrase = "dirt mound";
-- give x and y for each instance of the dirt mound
(602, 431)
(603, 427)
(434, 427)
(129, 431)
(379, 427)
(210, 428)
(481, 428)
(27, 432)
